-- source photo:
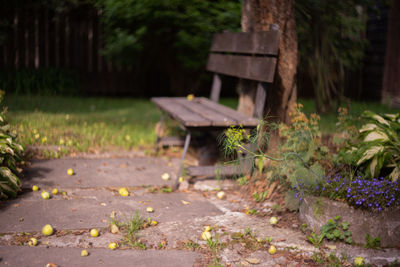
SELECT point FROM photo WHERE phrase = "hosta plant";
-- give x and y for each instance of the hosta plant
(375, 148)
(10, 155)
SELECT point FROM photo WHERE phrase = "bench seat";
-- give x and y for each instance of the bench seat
(203, 113)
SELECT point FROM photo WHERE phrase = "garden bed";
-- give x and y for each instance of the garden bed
(316, 211)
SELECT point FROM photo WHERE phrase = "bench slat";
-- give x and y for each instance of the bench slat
(264, 43)
(253, 68)
(216, 118)
(180, 113)
(243, 119)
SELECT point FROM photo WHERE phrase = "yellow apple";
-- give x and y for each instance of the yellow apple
(112, 245)
(221, 194)
(150, 209)
(206, 235)
(54, 191)
(358, 261)
(70, 172)
(273, 220)
(47, 230)
(35, 188)
(84, 253)
(165, 176)
(94, 232)
(272, 250)
(123, 192)
(45, 195)
(32, 242)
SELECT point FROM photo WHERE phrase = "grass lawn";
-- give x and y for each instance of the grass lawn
(87, 124)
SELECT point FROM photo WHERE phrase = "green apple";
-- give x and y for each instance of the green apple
(94, 232)
(358, 261)
(273, 220)
(47, 230)
(32, 242)
(45, 195)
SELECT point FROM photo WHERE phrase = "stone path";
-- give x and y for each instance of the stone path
(92, 195)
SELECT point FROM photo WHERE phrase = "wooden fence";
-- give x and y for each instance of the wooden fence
(41, 38)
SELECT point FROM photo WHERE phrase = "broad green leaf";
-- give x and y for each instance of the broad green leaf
(376, 135)
(392, 117)
(369, 153)
(368, 127)
(372, 166)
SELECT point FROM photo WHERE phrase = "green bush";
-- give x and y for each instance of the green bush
(45, 81)
(374, 149)
(10, 154)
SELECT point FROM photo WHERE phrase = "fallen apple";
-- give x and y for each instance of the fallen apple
(70, 172)
(165, 176)
(32, 242)
(190, 97)
(272, 250)
(181, 179)
(35, 188)
(150, 209)
(154, 222)
(273, 220)
(84, 253)
(54, 191)
(45, 195)
(94, 232)
(206, 235)
(47, 230)
(112, 245)
(358, 261)
(221, 194)
(123, 192)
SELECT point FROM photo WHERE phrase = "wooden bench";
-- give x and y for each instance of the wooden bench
(251, 56)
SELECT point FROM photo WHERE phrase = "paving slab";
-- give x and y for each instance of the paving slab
(98, 172)
(22, 256)
(30, 213)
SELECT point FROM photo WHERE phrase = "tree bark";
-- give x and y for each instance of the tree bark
(391, 79)
(258, 16)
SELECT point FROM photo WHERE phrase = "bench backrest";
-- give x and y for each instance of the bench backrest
(251, 56)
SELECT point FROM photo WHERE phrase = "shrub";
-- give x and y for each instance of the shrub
(10, 155)
(374, 149)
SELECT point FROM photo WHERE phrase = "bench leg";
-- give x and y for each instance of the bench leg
(159, 129)
(185, 148)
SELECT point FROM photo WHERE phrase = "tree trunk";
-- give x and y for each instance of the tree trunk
(391, 79)
(258, 16)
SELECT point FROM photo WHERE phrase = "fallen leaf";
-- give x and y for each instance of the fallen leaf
(332, 247)
(104, 221)
(122, 166)
(103, 204)
(185, 202)
(253, 260)
(114, 229)
(16, 205)
(113, 214)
